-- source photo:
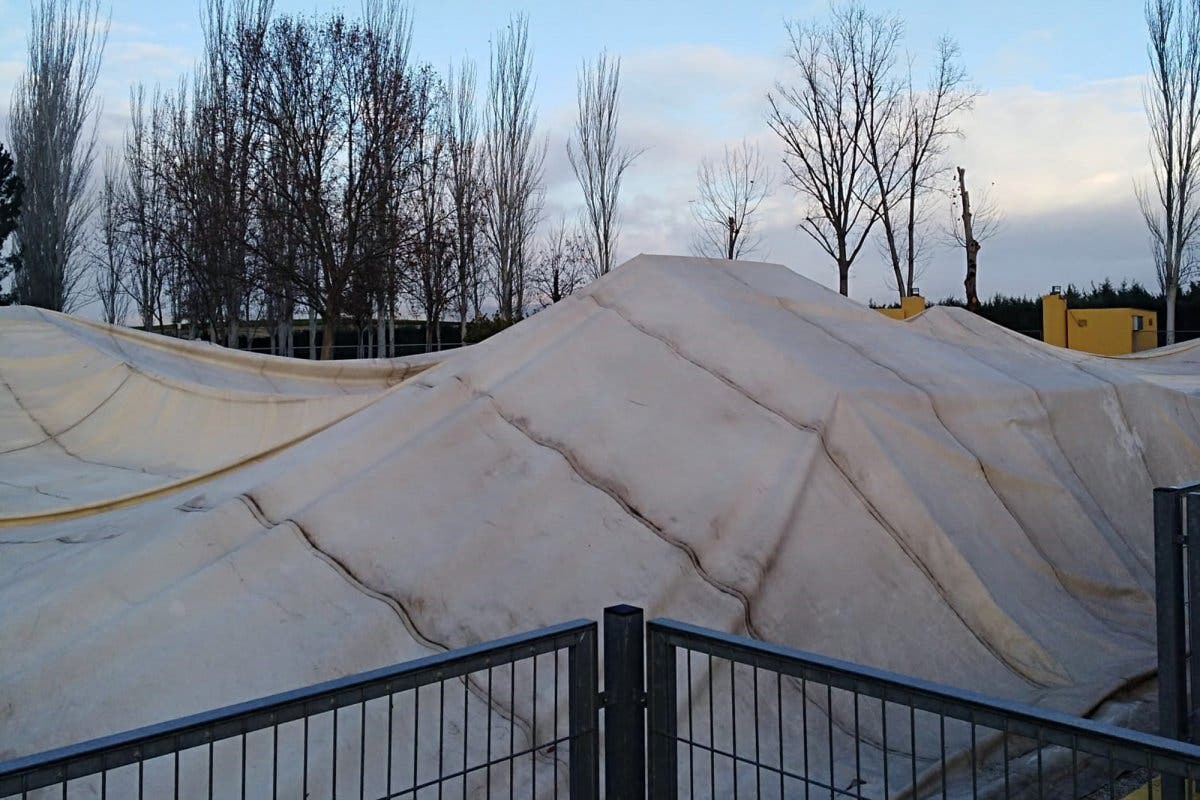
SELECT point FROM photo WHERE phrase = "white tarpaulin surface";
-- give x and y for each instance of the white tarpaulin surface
(183, 527)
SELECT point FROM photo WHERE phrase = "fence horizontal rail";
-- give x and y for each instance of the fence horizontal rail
(22, 775)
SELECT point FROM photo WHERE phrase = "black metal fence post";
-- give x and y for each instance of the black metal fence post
(1172, 642)
(583, 718)
(663, 753)
(1169, 594)
(624, 698)
(1191, 552)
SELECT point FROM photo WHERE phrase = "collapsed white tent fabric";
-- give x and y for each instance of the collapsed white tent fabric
(183, 527)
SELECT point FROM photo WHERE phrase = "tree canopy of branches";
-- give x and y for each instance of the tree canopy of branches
(109, 253)
(52, 122)
(731, 191)
(818, 118)
(925, 127)
(432, 277)
(11, 188)
(864, 144)
(513, 161)
(1172, 101)
(144, 209)
(339, 114)
(598, 161)
(308, 162)
(562, 264)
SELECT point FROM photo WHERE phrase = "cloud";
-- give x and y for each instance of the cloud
(1061, 166)
(1043, 149)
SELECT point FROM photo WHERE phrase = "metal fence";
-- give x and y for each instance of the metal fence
(733, 717)
(514, 717)
(688, 712)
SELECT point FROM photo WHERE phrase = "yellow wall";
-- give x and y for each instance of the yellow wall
(909, 307)
(1104, 331)
(1054, 320)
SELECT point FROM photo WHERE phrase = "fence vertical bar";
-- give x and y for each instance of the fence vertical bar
(662, 773)
(583, 712)
(624, 696)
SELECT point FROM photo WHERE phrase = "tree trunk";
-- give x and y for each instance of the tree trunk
(312, 333)
(911, 234)
(330, 332)
(843, 265)
(1172, 291)
(381, 330)
(972, 246)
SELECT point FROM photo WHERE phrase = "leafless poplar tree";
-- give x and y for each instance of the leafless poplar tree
(818, 119)
(598, 161)
(513, 162)
(52, 122)
(432, 277)
(1172, 101)
(145, 210)
(563, 263)
(731, 191)
(109, 250)
(466, 188)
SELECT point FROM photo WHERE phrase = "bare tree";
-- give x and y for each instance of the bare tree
(513, 162)
(562, 265)
(597, 160)
(731, 192)
(971, 226)
(231, 134)
(432, 277)
(466, 188)
(928, 127)
(819, 121)
(109, 252)
(52, 122)
(872, 42)
(145, 207)
(1172, 102)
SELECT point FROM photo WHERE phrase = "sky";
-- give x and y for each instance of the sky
(1057, 138)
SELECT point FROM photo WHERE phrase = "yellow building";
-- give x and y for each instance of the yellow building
(1104, 331)
(909, 307)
